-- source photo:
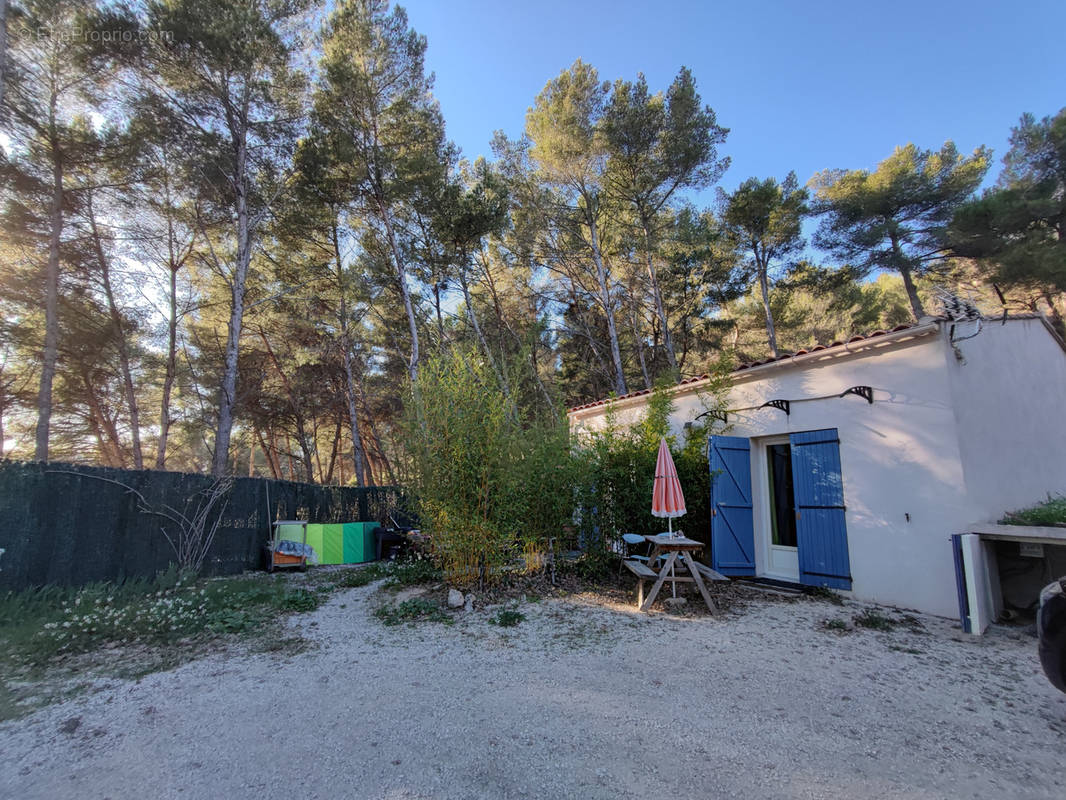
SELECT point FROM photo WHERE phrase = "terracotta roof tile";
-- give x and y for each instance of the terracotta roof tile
(749, 365)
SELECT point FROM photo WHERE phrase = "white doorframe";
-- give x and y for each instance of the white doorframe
(774, 561)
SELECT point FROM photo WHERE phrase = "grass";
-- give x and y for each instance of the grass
(49, 636)
(827, 594)
(53, 637)
(416, 609)
(873, 621)
(1050, 513)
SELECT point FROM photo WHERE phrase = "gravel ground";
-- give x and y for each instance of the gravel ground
(585, 698)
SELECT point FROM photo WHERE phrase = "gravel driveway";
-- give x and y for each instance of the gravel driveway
(584, 699)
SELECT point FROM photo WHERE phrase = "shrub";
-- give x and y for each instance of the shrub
(495, 481)
(491, 479)
(1052, 512)
(507, 619)
(620, 466)
(411, 572)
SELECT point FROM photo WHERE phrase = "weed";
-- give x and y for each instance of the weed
(827, 594)
(836, 624)
(417, 609)
(234, 620)
(360, 577)
(411, 572)
(874, 621)
(298, 600)
(282, 645)
(913, 623)
(40, 625)
(507, 618)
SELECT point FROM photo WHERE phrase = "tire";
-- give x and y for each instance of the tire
(1051, 630)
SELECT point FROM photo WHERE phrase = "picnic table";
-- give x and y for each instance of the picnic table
(679, 551)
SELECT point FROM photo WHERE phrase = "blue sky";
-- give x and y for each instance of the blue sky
(802, 85)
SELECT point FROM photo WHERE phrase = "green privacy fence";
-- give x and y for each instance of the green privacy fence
(69, 525)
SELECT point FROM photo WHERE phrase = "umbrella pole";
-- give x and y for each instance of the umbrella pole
(673, 583)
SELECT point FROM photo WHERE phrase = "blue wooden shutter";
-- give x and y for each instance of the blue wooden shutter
(819, 493)
(732, 532)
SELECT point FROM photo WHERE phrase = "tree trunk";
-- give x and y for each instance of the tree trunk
(328, 477)
(171, 371)
(912, 293)
(481, 336)
(502, 320)
(3, 80)
(374, 434)
(174, 263)
(639, 339)
(405, 292)
(358, 455)
(103, 427)
(227, 399)
(49, 355)
(306, 449)
(271, 457)
(908, 279)
(668, 342)
(120, 336)
(605, 298)
(440, 318)
(764, 288)
(1054, 315)
(274, 453)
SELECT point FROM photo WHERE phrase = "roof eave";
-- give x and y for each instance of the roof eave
(742, 375)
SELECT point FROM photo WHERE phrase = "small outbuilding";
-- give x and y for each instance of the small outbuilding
(853, 465)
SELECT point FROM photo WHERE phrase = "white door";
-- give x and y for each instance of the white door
(778, 528)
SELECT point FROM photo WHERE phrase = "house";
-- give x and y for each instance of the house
(852, 465)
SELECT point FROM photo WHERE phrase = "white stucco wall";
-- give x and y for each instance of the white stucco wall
(1009, 396)
(899, 457)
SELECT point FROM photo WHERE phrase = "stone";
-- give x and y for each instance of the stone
(455, 598)
(675, 602)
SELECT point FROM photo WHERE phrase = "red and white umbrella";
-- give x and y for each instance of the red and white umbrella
(667, 499)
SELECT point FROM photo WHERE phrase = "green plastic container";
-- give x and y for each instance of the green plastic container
(314, 538)
(358, 542)
(332, 544)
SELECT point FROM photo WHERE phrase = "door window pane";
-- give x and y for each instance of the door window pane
(782, 502)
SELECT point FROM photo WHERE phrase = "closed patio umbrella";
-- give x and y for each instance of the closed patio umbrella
(667, 499)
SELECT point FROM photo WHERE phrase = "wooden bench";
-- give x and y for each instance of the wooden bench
(643, 573)
(709, 573)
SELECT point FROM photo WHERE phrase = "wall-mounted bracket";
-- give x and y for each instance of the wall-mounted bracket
(783, 405)
(714, 414)
(865, 392)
